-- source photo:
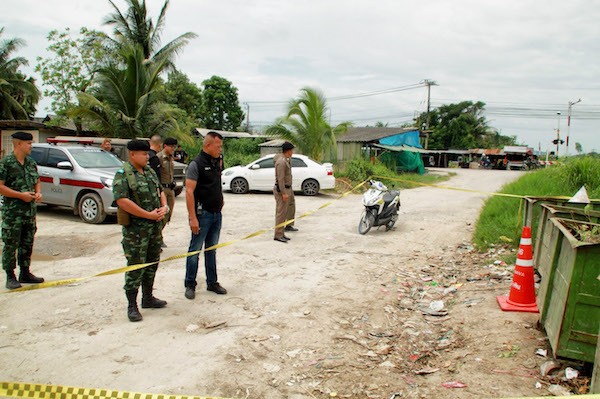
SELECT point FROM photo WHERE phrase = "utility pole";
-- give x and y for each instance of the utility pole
(247, 117)
(428, 83)
(569, 123)
(557, 133)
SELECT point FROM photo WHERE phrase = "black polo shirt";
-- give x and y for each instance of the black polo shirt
(206, 171)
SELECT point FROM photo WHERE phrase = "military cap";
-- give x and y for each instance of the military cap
(170, 141)
(138, 145)
(22, 136)
(286, 146)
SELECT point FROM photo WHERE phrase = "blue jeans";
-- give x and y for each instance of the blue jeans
(210, 229)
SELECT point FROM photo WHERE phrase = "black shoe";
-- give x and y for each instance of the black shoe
(12, 283)
(286, 238)
(153, 302)
(28, 278)
(190, 293)
(216, 288)
(290, 228)
(283, 240)
(163, 245)
(134, 314)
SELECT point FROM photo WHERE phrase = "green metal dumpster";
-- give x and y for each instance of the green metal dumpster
(569, 294)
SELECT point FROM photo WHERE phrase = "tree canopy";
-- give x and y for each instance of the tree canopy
(18, 93)
(220, 108)
(462, 126)
(186, 95)
(306, 126)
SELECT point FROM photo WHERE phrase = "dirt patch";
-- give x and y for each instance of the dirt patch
(410, 312)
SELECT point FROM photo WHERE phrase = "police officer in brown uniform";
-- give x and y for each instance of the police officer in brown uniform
(167, 176)
(283, 189)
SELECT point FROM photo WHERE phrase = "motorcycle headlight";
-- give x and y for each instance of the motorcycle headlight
(106, 181)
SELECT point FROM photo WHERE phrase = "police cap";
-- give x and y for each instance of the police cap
(286, 146)
(22, 136)
(138, 145)
(170, 141)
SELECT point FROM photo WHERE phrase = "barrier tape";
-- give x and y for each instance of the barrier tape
(42, 391)
(175, 257)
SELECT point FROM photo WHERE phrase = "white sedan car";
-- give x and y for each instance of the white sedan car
(308, 176)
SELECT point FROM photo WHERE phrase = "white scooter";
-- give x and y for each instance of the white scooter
(381, 207)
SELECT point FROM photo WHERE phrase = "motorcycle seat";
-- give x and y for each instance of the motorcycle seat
(389, 196)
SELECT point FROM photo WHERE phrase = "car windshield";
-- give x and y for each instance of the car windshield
(95, 158)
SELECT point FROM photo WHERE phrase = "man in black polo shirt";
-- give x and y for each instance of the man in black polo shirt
(204, 200)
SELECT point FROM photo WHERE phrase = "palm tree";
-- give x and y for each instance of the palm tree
(306, 126)
(18, 94)
(126, 101)
(136, 27)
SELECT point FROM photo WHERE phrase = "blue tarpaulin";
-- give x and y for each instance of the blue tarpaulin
(408, 138)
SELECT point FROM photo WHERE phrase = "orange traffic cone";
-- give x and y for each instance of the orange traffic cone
(522, 292)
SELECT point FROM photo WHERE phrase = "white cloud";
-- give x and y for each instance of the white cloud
(523, 53)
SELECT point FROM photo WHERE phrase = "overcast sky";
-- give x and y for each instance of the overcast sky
(525, 59)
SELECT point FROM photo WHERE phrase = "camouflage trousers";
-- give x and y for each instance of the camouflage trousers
(18, 243)
(141, 244)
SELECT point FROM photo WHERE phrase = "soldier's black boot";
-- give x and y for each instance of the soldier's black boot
(27, 277)
(148, 300)
(132, 309)
(11, 280)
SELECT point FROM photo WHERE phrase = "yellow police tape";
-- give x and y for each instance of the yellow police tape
(174, 257)
(42, 391)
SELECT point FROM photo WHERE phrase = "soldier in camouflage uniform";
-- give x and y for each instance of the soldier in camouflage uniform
(20, 186)
(137, 191)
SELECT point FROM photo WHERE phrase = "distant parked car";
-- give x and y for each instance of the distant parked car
(309, 177)
(78, 177)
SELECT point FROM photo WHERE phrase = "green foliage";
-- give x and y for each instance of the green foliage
(306, 126)
(135, 27)
(462, 126)
(71, 68)
(241, 151)
(182, 93)
(501, 216)
(359, 169)
(18, 93)
(220, 108)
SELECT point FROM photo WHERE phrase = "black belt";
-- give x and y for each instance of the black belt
(170, 186)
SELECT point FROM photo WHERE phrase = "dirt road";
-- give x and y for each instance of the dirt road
(331, 313)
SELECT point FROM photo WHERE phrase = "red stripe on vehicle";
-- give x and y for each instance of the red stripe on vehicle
(80, 183)
(46, 179)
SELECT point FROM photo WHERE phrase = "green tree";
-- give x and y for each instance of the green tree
(184, 94)
(306, 126)
(134, 26)
(125, 101)
(72, 67)
(220, 108)
(18, 93)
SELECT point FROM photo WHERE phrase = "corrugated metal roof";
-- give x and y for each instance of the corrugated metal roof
(367, 134)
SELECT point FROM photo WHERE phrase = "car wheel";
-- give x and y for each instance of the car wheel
(310, 187)
(239, 185)
(91, 209)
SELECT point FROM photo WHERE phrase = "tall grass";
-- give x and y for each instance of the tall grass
(501, 216)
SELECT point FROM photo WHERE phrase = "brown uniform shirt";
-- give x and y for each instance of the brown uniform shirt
(167, 175)
(283, 174)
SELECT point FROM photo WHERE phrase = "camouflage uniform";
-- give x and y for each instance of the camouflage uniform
(18, 217)
(142, 238)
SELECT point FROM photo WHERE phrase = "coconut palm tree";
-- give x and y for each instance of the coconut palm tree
(134, 26)
(126, 101)
(306, 126)
(18, 94)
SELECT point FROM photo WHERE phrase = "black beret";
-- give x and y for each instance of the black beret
(22, 136)
(170, 141)
(138, 145)
(287, 146)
